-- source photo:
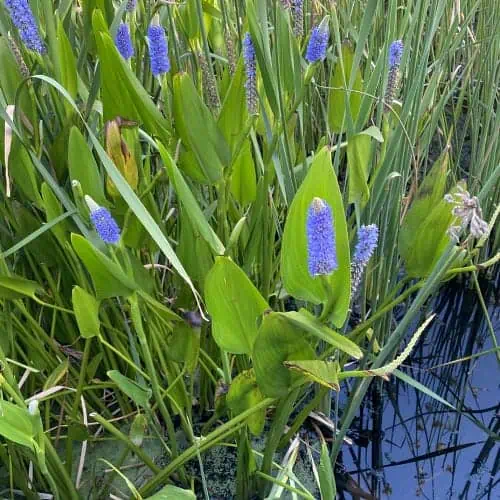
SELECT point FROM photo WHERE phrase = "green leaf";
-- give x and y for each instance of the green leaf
(57, 374)
(54, 210)
(198, 131)
(235, 306)
(194, 252)
(323, 372)
(171, 492)
(108, 278)
(338, 104)
(359, 148)
(423, 235)
(86, 309)
(16, 424)
(83, 167)
(14, 287)
(278, 341)
(189, 203)
(326, 476)
(183, 345)
(122, 93)
(139, 394)
(138, 429)
(244, 394)
(23, 174)
(321, 182)
(67, 66)
(243, 178)
(304, 319)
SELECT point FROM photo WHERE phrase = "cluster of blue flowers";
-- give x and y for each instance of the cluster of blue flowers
(158, 46)
(251, 73)
(123, 41)
(103, 222)
(23, 19)
(363, 252)
(321, 247)
(395, 55)
(318, 43)
(158, 50)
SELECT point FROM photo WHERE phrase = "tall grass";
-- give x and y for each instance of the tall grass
(149, 336)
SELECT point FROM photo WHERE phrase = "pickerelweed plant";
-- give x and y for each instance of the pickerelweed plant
(184, 234)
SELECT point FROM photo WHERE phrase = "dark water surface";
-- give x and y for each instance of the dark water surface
(407, 444)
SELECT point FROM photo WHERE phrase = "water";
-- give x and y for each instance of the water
(425, 449)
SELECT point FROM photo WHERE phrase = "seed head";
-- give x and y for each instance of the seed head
(251, 72)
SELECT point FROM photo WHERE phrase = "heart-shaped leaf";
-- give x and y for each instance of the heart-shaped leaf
(321, 182)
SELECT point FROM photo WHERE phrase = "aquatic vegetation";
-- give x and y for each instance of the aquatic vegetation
(218, 217)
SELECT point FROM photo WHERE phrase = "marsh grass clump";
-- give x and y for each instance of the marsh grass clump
(221, 220)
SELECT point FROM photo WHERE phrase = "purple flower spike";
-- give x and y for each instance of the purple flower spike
(366, 245)
(158, 50)
(318, 43)
(123, 41)
(395, 54)
(103, 222)
(23, 19)
(321, 250)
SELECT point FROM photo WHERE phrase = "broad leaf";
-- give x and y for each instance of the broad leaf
(86, 309)
(171, 492)
(244, 394)
(83, 167)
(108, 278)
(14, 287)
(16, 424)
(199, 132)
(235, 306)
(139, 394)
(321, 182)
(278, 341)
(325, 373)
(304, 319)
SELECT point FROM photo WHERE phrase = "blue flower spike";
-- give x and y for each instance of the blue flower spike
(158, 48)
(321, 248)
(24, 20)
(123, 41)
(366, 244)
(367, 241)
(103, 222)
(318, 42)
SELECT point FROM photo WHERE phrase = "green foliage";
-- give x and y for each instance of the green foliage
(321, 182)
(206, 305)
